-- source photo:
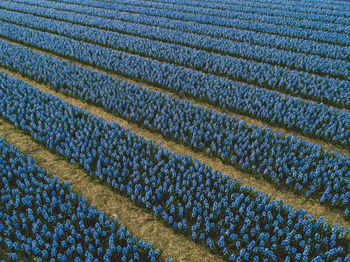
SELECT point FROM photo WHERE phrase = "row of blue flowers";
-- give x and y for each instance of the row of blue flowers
(323, 8)
(322, 11)
(42, 219)
(181, 12)
(259, 14)
(194, 34)
(206, 61)
(310, 118)
(241, 224)
(295, 163)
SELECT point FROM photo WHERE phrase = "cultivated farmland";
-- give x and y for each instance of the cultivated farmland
(174, 130)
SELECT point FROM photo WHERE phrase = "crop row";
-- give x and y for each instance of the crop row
(262, 8)
(191, 198)
(294, 163)
(187, 56)
(258, 14)
(313, 7)
(156, 9)
(42, 219)
(310, 118)
(143, 25)
(305, 9)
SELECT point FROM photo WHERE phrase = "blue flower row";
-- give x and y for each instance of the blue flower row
(121, 23)
(322, 11)
(322, 7)
(42, 219)
(186, 195)
(286, 111)
(295, 163)
(253, 13)
(180, 12)
(203, 60)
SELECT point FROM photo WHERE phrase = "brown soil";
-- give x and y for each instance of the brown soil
(249, 120)
(296, 201)
(138, 222)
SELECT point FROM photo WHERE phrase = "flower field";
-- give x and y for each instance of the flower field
(220, 128)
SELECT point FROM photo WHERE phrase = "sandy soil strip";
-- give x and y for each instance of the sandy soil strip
(138, 222)
(296, 201)
(249, 120)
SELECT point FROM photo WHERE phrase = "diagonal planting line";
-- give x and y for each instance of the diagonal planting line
(238, 8)
(193, 18)
(39, 25)
(296, 201)
(138, 222)
(163, 25)
(249, 120)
